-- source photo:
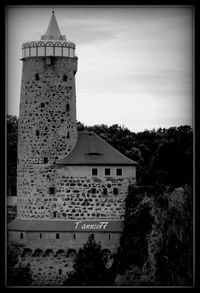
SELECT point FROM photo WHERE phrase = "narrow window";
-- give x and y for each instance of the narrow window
(37, 77)
(68, 134)
(37, 133)
(40, 235)
(57, 236)
(119, 171)
(105, 191)
(107, 171)
(54, 214)
(60, 271)
(115, 191)
(109, 236)
(74, 236)
(21, 235)
(45, 160)
(64, 77)
(67, 107)
(94, 171)
(52, 190)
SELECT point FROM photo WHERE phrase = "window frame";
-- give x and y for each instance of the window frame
(106, 169)
(96, 169)
(117, 170)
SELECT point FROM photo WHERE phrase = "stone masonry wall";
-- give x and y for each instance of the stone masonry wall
(47, 123)
(49, 194)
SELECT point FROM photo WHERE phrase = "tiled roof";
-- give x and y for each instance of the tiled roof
(90, 149)
(65, 226)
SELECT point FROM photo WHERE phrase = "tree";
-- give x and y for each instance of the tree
(17, 273)
(90, 268)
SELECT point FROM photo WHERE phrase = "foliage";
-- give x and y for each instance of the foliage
(90, 267)
(156, 245)
(17, 274)
(164, 156)
(12, 134)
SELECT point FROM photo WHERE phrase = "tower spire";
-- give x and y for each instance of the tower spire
(53, 31)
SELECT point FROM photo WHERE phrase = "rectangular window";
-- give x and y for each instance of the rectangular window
(94, 171)
(45, 160)
(119, 171)
(107, 171)
(115, 191)
(52, 190)
(105, 191)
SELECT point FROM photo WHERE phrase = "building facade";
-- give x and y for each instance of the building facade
(70, 184)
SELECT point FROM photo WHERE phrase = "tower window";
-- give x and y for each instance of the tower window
(109, 236)
(54, 214)
(37, 133)
(119, 171)
(40, 235)
(67, 107)
(45, 160)
(107, 172)
(93, 190)
(94, 171)
(115, 191)
(52, 190)
(60, 271)
(74, 236)
(57, 236)
(105, 191)
(37, 77)
(64, 77)
(21, 236)
(68, 134)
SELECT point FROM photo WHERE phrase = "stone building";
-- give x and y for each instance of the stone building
(70, 184)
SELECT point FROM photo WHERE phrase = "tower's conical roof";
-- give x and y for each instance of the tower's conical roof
(53, 31)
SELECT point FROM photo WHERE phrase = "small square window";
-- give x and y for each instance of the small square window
(94, 171)
(119, 171)
(107, 171)
(52, 190)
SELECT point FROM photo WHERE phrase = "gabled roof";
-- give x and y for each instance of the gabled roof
(53, 31)
(90, 149)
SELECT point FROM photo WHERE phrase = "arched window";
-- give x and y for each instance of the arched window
(57, 236)
(21, 235)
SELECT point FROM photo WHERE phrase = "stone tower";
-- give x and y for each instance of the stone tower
(70, 185)
(47, 119)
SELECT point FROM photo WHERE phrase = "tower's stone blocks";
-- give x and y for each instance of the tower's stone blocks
(47, 122)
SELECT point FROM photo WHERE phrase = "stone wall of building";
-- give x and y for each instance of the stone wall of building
(48, 193)
(47, 123)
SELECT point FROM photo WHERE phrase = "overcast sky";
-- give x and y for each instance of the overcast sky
(134, 63)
